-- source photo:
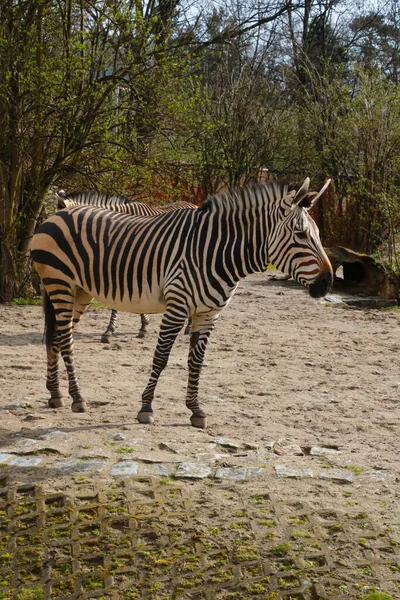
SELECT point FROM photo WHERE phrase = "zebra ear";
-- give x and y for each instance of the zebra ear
(308, 199)
(301, 193)
(62, 199)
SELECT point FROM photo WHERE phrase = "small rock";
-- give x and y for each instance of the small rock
(167, 447)
(248, 446)
(192, 471)
(291, 450)
(269, 445)
(340, 475)
(226, 443)
(283, 471)
(118, 437)
(34, 417)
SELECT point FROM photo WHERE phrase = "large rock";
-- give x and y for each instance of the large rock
(361, 274)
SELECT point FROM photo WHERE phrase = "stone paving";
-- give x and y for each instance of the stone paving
(152, 538)
(254, 463)
(157, 524)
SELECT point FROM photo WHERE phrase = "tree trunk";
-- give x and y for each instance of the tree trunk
(8, 266)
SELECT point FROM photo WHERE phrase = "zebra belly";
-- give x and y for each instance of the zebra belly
(146, 303)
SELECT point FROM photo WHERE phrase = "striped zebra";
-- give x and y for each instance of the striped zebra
(180, 263)
(123, 205)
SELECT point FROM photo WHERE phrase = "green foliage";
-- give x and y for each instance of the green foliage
(26, 301)
(378, 596)
(36, 593)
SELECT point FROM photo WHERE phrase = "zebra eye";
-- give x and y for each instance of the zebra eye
(301, 235)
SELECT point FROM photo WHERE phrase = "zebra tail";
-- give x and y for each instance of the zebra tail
(50, 324)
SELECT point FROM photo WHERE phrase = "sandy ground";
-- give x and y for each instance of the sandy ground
(281, 367)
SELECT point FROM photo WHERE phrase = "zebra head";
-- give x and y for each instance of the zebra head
(296, 248)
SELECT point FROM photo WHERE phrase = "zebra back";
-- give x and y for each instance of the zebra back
(116, 203)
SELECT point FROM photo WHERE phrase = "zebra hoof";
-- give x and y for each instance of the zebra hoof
(106, 339)
(145, 417)
(188, 331)
(78, 407)
(56, 402)
(141, 334)
(200, 422)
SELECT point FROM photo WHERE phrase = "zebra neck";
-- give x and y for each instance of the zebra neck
(235, 242)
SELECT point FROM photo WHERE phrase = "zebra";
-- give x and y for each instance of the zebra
(177, 263)
(123, 205)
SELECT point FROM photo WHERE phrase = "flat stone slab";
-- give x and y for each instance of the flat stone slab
(126, 467)
(258, 473)
(283, 471)
(21, 461)
(340, 475)
(231, 473)
(90, 466)
(157, 470)
(321, 451)
(56, 435)
(187, 470)
(5, 457)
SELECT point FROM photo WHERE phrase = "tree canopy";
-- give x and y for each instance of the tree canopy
(159, 99)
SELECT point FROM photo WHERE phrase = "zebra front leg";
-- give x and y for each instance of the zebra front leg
(171, 324)
(107, 335)
(143, 331)
(202, 326)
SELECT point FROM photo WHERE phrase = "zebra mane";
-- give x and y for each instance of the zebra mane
(92, 198)
(271, 191)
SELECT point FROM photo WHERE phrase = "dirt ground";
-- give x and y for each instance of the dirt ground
(283, 370)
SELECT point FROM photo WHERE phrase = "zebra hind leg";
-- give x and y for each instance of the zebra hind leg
(67, 310)
(202, 327)
(171, 324)
(143, 331)
(53, 352)
(188, 328)
(107, 335)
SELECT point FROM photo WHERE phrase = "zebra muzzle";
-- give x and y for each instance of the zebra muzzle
(321, 286)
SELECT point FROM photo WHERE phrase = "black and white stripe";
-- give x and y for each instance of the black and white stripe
(181, 264)
(123, 205)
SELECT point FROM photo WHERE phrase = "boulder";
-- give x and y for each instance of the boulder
(362, 274)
